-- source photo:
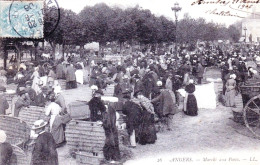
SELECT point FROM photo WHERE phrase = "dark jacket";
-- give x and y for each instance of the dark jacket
(44, 151)
(133, 115)
(97, 108)
(40, 100)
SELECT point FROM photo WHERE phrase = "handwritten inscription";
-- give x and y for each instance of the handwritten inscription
(223, 13)
(233, 8)
(224, 2)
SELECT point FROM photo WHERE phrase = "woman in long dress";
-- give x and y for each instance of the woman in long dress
(147, 131)
(190, 101)
(230, 91)
(111, 147)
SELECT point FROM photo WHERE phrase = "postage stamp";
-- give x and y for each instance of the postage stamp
(21, 19)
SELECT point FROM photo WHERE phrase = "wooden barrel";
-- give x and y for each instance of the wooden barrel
(31, 114)
(17, 131)
(85, 136)
(19, 157)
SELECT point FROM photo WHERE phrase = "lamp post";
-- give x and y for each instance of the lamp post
(176, 8)
(245, 29)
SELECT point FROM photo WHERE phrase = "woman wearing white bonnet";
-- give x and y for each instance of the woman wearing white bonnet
(6, 150)
(230, 91)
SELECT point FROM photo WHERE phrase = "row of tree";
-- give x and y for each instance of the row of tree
(103, 24)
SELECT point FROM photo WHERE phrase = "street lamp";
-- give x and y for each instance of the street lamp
(245, 29)
(176, 8)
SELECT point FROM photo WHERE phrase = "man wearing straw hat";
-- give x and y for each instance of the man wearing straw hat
(44, 151)
(6, 150)
(3, 103)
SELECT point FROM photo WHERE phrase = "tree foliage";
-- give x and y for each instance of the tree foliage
(103, 24)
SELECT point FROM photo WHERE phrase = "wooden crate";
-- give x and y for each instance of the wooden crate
(31, 114)
(89, 158)
(85, 136)
(17, 131)
(79, 110)
(19, 157)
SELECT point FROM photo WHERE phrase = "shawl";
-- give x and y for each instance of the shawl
(144, 102)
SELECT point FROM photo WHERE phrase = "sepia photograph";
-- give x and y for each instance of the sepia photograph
(129, 82)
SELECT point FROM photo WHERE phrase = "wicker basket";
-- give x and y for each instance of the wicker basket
(85, 136)
(17, 130)
(89, 158)
(19, 157)
(31, 114)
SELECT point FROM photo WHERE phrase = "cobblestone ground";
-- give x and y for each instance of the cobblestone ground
(212, 131)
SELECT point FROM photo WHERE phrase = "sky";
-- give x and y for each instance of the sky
(163, 7)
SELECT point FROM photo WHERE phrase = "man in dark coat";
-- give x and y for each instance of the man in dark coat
(6, 150)
(70, 77)
(3, 103)
(96, 106)
(133, 116)
(200, 72)
(44, 151)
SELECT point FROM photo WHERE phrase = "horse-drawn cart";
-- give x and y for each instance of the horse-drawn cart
(251, 107)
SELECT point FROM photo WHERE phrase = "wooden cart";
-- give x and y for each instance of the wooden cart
(251, 109)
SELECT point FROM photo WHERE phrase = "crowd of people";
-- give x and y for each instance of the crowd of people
(146, 85)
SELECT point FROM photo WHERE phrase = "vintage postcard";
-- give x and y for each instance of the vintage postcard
(156, 82)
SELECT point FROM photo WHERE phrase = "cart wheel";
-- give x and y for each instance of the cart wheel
(251, 115)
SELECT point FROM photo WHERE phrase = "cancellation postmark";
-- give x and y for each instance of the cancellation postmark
(22, 19)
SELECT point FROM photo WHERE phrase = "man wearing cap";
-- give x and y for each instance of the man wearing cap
(44, 151)
(96, 106)
(3, 103)
(6, 150)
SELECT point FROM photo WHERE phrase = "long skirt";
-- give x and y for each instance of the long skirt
(111, 148)
(190, 105)
(230, 97)
(147, 131)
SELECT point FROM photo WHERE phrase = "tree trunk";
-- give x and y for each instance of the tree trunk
(63, 50)
(5, 58)
(53, 46)
(18, 55)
